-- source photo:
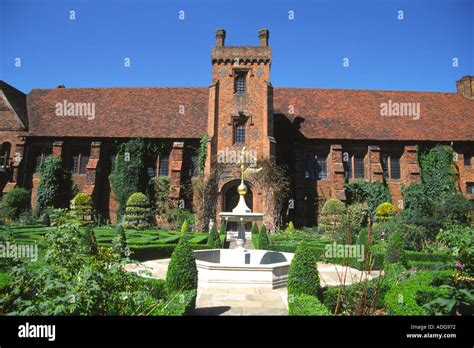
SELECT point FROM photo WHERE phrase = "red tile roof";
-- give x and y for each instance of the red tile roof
(355, 114)
(121, 112)
(17, 100)
(326, 113)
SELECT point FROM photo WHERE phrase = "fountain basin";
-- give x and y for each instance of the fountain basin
(237, 268)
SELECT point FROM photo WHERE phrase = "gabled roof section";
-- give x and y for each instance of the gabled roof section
(358, 114)
(119, 112)
(13, 112)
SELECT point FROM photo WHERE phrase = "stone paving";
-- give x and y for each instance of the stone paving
(253, 301)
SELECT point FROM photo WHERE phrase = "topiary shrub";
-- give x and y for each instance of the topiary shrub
(395, 249)
(385, 212)
(306, 305)
(331, 216)
(413, 236)
(138, 214)
(357, 214)
(263, 241)
(119, 243)
(82, 208)
(291, 226)
(373, 193)
(184, 227)
(15, 202)
(303, 277)
(182, 271)
(214, 241)
(254, 229)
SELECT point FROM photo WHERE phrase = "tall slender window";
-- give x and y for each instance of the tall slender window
(240, 83)
(347, 163)
(79, 163)
(359, 172)
(322, 169)
(164, 165)
(239, 133)
(394, 167)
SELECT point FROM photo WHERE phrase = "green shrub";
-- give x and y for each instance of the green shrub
(303, 277)
(331, 217)
(91, 242)
(119, 243)
(459, 240)
(138, 214)
(357, 214)
(395, 252)
(373, 193)
(129, 172)
(184, 227)
(82, 208)
(55, 186)
(306, 305)
(414, 236)
(408, 296)
(214, 241)
(263, 241)
(180, 304)
(46, 219)
(223, 234)
(291, 226)
(182, 270)
(15, 202)
(254, 229)
(385, 212)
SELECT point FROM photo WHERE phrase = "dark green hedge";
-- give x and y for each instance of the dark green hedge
(158, 251)
(306, 305)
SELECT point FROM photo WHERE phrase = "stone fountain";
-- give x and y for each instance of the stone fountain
(239, 267)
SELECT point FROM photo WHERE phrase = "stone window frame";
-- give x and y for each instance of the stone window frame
(388, 154)
(237, 73)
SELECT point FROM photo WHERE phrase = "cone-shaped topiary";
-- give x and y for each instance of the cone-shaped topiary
(291, 226)
(184, 227)
(213, 241)
(182, 271)
(254, 229)
(263, 241)
(138, 213)
(223, 233)
(303, 277)
(119, 243)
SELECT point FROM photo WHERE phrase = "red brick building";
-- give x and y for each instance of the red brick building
(325, 136)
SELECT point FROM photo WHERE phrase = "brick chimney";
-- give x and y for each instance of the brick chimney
(264, 35)
(465, 86)
(220, 37)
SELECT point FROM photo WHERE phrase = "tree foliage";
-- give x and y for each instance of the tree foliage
(303, 277)
(55, 186)
(182, 271)
(15, 202)
(138, 213)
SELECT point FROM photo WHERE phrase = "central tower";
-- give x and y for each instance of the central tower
(240, 111)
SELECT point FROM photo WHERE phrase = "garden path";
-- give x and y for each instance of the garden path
(253, 301)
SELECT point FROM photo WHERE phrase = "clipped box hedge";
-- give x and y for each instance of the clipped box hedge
(157, 251)
(306, 305)
(407, 297)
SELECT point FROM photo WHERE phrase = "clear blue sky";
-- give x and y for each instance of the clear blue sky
(384, 53)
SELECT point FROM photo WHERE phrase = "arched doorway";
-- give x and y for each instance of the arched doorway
(231, 199)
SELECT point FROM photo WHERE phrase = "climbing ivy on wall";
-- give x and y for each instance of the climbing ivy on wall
(55, 186)
(203, 152)
(129, 172)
